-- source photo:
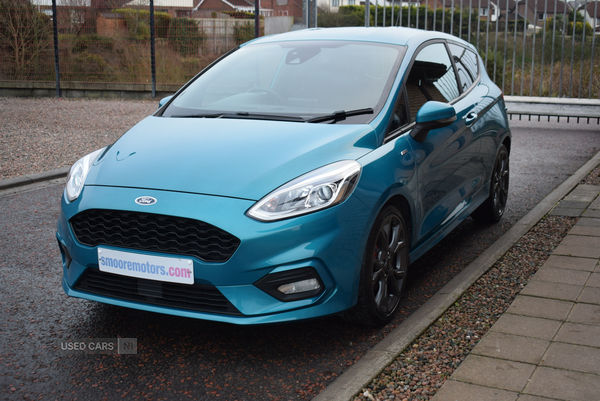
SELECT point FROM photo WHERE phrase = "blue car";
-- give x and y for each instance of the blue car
(296, 177)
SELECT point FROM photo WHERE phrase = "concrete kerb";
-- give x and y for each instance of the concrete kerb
(370, 365)
(33, 178)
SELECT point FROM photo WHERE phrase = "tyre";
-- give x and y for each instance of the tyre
(383, 273)
(492, 210)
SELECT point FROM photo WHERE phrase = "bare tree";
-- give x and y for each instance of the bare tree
(25, 35)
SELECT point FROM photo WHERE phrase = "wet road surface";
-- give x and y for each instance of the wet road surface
(182, 358)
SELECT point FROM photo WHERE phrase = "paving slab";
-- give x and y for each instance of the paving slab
(526, 397)
(574, 204)
(577, 358)
(590, 296)
(591, 213)
(580, 334)
(454, 390)
(585, 313)
(581, 240)
(587, 188)
(527, 326)
(559, 384)
(566, 211)
(511, 347)
(588, 222)
(493, 372)
(547, 289)
(594, 280)
(574, 250)
(540, 307)
(583, 230)
(571, 262)
(580, 196)
(565, 276)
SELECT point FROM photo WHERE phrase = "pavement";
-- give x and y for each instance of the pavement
(546, 346)
(526, 355)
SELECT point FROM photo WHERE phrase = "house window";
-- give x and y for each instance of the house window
(183, 13)
(483, 12)
(350, 2)
(335, 3)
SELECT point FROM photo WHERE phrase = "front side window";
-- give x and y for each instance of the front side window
(466, 64)
(300, 79)
(431, 78)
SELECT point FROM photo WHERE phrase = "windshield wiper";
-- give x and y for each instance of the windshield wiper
(340, 115)
(208, 115)
(260, 116)
(245, 115)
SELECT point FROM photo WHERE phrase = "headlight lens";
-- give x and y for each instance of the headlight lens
(78, 173)
(319, 189)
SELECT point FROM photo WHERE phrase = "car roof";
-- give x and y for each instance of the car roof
(389, 35)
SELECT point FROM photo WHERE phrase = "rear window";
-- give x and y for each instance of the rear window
(466, 65)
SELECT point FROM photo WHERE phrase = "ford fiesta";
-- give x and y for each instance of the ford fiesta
(296, 177)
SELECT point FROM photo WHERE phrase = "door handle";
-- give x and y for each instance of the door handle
(470, 119)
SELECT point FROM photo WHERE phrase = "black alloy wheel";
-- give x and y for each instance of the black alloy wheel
(492, 210)
(384, 270)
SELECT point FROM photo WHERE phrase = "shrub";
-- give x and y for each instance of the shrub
(241, 14)
(579, 29)
(243, 33)
(138, 22)
(84, 42)
(85, 67)
(186, 36)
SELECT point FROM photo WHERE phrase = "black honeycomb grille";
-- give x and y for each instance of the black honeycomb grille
(154, 232)
(196, 297)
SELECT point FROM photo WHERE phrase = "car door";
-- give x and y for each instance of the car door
(446, 159)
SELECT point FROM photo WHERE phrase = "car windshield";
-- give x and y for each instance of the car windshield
(294, 81)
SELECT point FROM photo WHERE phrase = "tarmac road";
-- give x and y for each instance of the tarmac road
(182, 358)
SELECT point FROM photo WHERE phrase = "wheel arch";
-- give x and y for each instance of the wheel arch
(400, 202)
(507, 142)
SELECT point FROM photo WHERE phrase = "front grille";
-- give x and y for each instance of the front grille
(155, 233)
(196, 297)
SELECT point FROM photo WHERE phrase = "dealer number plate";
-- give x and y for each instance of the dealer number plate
(172, 270)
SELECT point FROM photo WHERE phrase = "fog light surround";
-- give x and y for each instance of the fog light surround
(292, 285)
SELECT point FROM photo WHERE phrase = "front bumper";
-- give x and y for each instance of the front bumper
(329, 241)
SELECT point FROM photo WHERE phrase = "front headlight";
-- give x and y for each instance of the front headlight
(78, 173)
(319, 189)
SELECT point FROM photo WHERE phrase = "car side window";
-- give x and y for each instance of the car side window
(466, 64)
(431, 77)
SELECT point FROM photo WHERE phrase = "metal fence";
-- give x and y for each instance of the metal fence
(544, 48)
(115, 41)
(530, 48)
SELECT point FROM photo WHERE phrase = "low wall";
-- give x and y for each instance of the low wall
(85, 90)
(516, 105)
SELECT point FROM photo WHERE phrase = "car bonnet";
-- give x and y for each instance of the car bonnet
(244, 159)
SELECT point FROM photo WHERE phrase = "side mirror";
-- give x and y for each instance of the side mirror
(432, 115)
(163, 101)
